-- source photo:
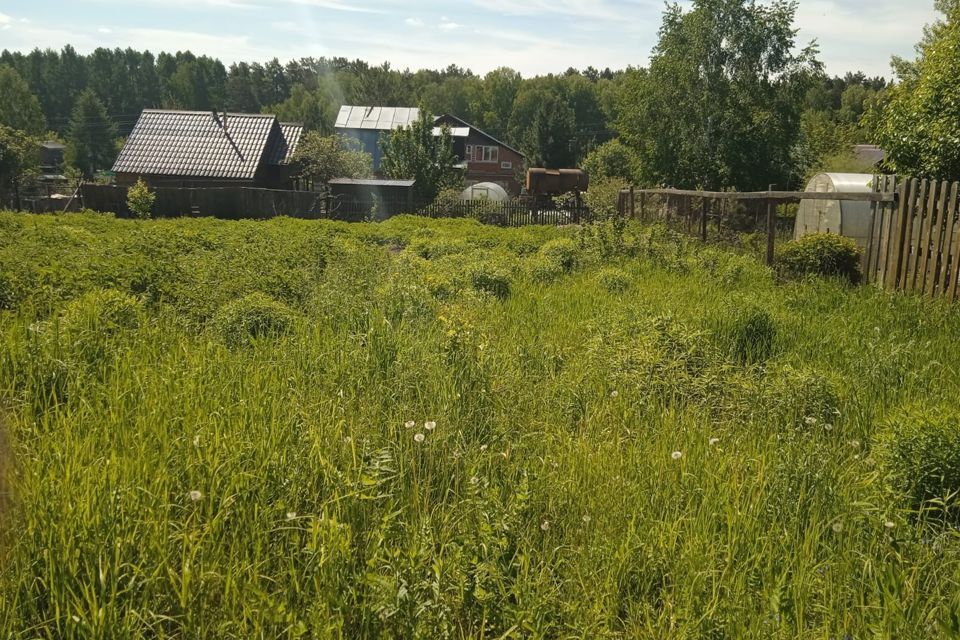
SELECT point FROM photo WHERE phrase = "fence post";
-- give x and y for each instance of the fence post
(633, 211)
(643, 206)
(771, 228)
(704, 206)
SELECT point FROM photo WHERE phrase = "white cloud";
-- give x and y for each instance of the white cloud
(336, 5)
(448, 26)
(5, 19)
(413, 22)
(104, 30)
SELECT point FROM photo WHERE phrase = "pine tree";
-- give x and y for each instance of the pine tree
(91, 138)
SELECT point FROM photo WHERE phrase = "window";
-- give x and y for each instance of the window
(480, 153)
(506, 165)
(491, 154)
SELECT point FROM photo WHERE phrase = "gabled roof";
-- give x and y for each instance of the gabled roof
(202, 144)
(464, 123)
(361, 182)
(376, 118)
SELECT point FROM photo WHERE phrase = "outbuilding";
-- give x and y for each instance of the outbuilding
(842, 217)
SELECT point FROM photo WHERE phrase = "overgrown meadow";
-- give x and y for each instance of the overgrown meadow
(437, 429)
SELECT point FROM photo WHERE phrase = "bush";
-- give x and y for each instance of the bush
(564, 251)
(88, 323)
(490, 278)
(748, 333)
(543, 269)
(824, 254)
(919, 450)
(140, 199)
(614, 280)
(251, 317)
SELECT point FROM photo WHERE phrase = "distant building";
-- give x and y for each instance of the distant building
(869, 155)
(209, 149)
(482, 157)
(51, 161)
(485, 158)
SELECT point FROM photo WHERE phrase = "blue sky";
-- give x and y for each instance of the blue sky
(533, 36)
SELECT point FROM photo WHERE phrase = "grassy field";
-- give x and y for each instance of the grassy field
(435, 429)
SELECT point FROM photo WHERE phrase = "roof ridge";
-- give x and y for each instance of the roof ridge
(211, 112)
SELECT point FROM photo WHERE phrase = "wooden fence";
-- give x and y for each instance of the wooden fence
(914, 237)
(242, 202)
(915, 245)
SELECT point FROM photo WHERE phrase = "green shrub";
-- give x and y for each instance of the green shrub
(919, 450)
(251, 317)
(489, 277)
(614, 280)
(564, 251)
(87, 324)
(140, 199)
(747, 332)
(543, 269)
(824, 254)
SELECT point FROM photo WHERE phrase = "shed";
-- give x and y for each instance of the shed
(358, 199)
(850, 219)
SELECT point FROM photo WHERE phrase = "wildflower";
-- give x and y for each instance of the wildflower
(828, 427)
(855, 444)
(196, 441)
(614, 393)
(889, 524)
(419, 437)
(714, 441)
(545, 526)
(474, 480)
(348, 439)
(409, 424)
(837, 527)
(586, 519)
(195, 495)
(676, 455)
(291, 515)
(430, 425)
(810, 420)
(76, 619)
(483, 447)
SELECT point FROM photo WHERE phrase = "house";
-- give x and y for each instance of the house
(51, 161)
(209, 149)
(869, 155)
(485, 158)
(482, 157)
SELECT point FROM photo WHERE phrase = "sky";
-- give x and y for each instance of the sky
(532, 36)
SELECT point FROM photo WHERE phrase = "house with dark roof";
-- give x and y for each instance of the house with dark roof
(209, 149)
(482, 157)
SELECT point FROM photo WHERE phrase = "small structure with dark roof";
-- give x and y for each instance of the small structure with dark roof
(356, 199)
(208, 149)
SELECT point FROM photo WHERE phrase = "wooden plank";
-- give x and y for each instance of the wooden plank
(900, 252)
(877, 236)
(779, 196)
(953, 268)
(704, 208)
(928, 231)
(936, 242)
(948, 212)
(914, 219)
(886, 230)
(869, 258)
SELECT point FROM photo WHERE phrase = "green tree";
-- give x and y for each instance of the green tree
(720, 105)
(18, 155)
(140, 199)
(315, 109)
(321, 158)
(918, 124)
(91, 138)
(415, 153)
(543, 124)
(19, 108)
(612, 159)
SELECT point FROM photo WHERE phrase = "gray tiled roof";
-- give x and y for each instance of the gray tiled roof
(285, 143)
(196, 144)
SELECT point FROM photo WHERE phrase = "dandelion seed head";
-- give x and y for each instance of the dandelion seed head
(195, 495)
(483, 447)
(714, 441)
(810, 420)
(196, 441)
(614, 393)
(409, 424)
(474, 480)
(890, 524)
(419, 437)
(676, 455)
(430, 425)
(291, 515)
(837, 527)
(586, 519)
(76, 619)
(855, 444)
(545, 526)
(348, 439)
(828, 427)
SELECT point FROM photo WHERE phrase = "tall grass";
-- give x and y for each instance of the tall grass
(689, 455)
